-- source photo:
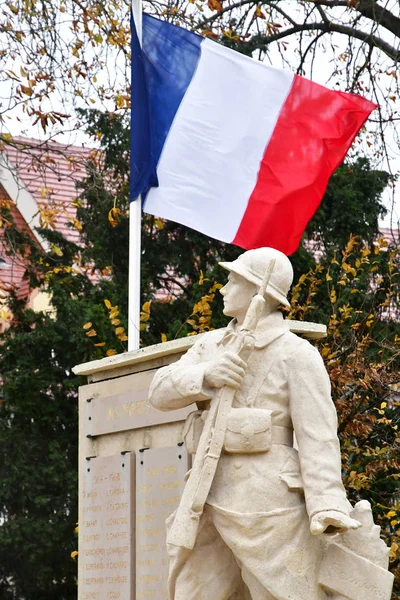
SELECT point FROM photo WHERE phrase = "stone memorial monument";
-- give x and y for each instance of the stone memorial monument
(264, 514)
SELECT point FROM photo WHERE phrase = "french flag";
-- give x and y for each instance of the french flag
(229, 146)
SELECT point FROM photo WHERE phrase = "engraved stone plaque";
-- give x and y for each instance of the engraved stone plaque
(159, 484)
(123, 405)
(106, 529)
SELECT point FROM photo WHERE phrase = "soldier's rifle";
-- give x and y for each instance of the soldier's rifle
(184, 528)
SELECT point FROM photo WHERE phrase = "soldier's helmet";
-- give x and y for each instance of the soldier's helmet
(253, 264)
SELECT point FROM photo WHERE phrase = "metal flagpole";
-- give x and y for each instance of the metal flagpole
(135, 221)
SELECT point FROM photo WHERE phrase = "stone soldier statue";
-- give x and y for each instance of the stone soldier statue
(259, 507)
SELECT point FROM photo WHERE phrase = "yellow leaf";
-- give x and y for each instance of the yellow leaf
(100, 344)
(384, 405)
(259, 13)
(23, 72)
(107, 303)
(114, 216)
(114, 313)
(142, 326)
(146, 307)
(163, 338)
(56, 250)
(123, 338)
(87, 325)
(26, 90)
(214, 5)
(115, 322)
(119, 331)
(74, 554)
(111, 352)
(91, 333)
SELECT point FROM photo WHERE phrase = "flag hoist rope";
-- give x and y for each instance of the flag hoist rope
(135, 222)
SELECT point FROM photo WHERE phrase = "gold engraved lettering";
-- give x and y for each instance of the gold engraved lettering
(95, 508)
(116, 535)
(145, 518)
(172, 500)
(98, 479)
(91, 494)
(113, 595)
(153, 472)
(169, 470)
(94, 537)
(145, 594)
(147, 578)
(117, 521)
(94, 566)
(145, 489)
(148, 548)
(94, 551)
(117, 506)
(115, 476)
(90, 595)
(115, 492)
(149, 503)
(90, 523)
(122, 564)
(149, 532)
(113, 413)
(149, 563)
(118, 550)
(171, 486)
(94, 580)
(117, 579)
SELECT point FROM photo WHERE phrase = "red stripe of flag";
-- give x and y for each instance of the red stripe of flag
(314, 131)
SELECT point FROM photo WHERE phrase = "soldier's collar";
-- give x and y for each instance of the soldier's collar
(268, 330)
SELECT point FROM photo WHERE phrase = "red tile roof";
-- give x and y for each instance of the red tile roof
(49, 172)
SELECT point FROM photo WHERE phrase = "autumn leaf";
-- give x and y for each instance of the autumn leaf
(163, 338)
(74, 554)
(91, 333)
(214, 5)
(107, 303)
(259, 13)
(114, 216)
(88, 325)
(111, 352)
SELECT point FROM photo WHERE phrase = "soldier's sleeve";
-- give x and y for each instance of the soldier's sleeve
(315, 424)
(181, 383)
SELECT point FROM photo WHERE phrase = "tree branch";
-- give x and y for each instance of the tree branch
(369, 9)
(329, 27)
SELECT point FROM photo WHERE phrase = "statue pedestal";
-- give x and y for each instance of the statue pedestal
(131, 474)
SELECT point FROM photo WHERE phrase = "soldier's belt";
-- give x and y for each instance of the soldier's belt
(249, 430)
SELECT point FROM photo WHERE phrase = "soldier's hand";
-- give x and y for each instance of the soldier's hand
(227, 369)
(331, 522)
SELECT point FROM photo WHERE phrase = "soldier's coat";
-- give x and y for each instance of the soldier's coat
(258, 509)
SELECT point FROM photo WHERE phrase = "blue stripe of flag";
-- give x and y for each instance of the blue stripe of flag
(161, 73)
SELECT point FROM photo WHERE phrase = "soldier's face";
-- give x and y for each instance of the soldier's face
(237, 294)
